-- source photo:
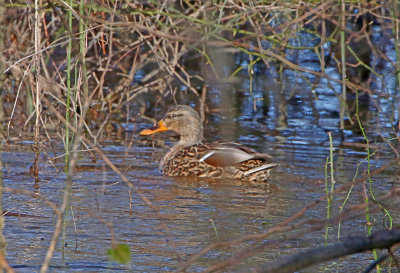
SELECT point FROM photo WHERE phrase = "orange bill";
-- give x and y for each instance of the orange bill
(160, 127)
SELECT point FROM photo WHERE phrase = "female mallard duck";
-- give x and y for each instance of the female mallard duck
(190, 157)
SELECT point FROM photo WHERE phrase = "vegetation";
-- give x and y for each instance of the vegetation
(70, 69)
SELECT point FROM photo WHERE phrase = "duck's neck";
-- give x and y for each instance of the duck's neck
(192, 138)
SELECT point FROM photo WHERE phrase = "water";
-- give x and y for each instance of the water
(197, 212)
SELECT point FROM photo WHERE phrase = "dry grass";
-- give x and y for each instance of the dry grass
(138, 53)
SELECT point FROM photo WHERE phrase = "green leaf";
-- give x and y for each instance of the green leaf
(120, 254)
(234, 32)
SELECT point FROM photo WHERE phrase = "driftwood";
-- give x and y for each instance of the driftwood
(380, 239)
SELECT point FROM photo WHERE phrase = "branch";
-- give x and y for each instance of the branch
(380, 239)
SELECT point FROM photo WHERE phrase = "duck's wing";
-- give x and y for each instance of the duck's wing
(245, 149)
(229, 154)
(223, 157)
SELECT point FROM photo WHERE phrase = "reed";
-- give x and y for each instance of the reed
(69, 81)
(343, 62)
(329, 185)
(394, 13)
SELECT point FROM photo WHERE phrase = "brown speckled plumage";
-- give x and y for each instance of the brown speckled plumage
(190, 157)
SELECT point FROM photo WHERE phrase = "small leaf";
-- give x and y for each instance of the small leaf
(120, 254)
(234, 32)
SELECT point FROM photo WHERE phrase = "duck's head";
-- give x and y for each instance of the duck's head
(183, 120)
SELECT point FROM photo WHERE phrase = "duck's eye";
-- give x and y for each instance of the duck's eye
(169, 116)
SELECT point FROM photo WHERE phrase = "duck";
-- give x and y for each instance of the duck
(190, 156)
